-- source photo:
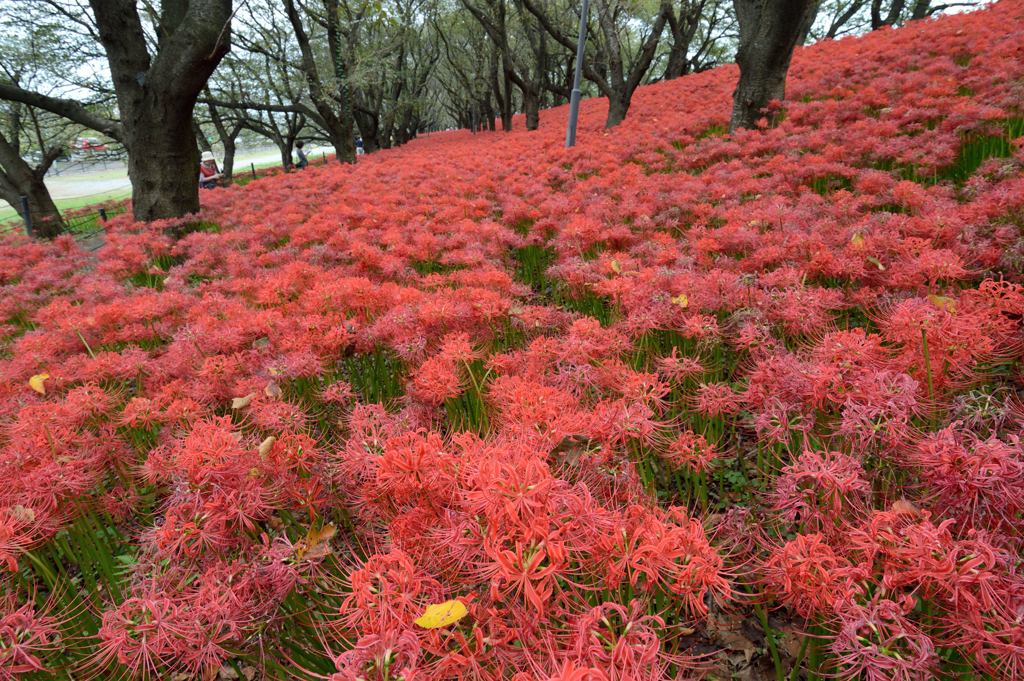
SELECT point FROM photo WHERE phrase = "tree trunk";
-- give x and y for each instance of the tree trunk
(345, 148)
(618, 105)
(922, 8)
(228, 166)
(677, 62)
(891, 18)
(156, 96)
(489, 115)
(682, 30)
(227, 138)
(368, 128)
(339, 127)
(769, 30)
(18, 178)
(163, 160)
(531, 106)
(385, 132)
(204, 144)
(286, 149)
(805, 29)
(508, 103)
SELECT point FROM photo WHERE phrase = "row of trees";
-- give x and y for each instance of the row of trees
(164, 80)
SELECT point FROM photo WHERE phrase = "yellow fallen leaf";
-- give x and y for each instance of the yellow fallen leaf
(681, 300)
(616, 267)
(266, 445)
(944, 303)
(317, 543)
(242, 402)
(23, 513)
(442, 614)
(36, 383)
(857, 241)
(904, 507)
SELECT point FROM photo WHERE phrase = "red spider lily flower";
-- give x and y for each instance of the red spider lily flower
(877, 642)
(717, 400)
(25, 633)
(621, 641)
(692, 452)
(618, 422)
(821, 490)
(807, 574)
(376, 657)
(528, 571)
(979, 483)
(994, 640)
(678, 369)
(437, 380)
(570, 672)
(388, 592)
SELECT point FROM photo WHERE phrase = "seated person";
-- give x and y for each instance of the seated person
(208, 174)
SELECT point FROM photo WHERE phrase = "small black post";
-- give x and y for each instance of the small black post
(253, 170)
(28, 216)
(324, 155)
(474, 118)
(103, 214)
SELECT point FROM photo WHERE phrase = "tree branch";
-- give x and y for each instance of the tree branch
(67, 108)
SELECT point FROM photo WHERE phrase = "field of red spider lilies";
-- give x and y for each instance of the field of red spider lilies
(671, 403)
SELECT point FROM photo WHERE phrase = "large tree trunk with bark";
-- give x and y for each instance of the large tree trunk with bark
(507, 104)
(769, 30)
(531, 107)
(156, 95)
(805, 29)
(163, 161)
(369, 124)
(503, 96)
(618, 106)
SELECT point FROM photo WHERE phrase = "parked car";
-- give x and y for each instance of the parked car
(88, 144)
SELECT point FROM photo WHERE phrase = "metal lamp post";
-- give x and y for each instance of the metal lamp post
(472, 88)
(574, 98)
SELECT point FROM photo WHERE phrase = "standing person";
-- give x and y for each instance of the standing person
(208, 173)
(359, 146)
(301, 154)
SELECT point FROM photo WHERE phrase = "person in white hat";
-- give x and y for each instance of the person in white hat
(208, 174)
